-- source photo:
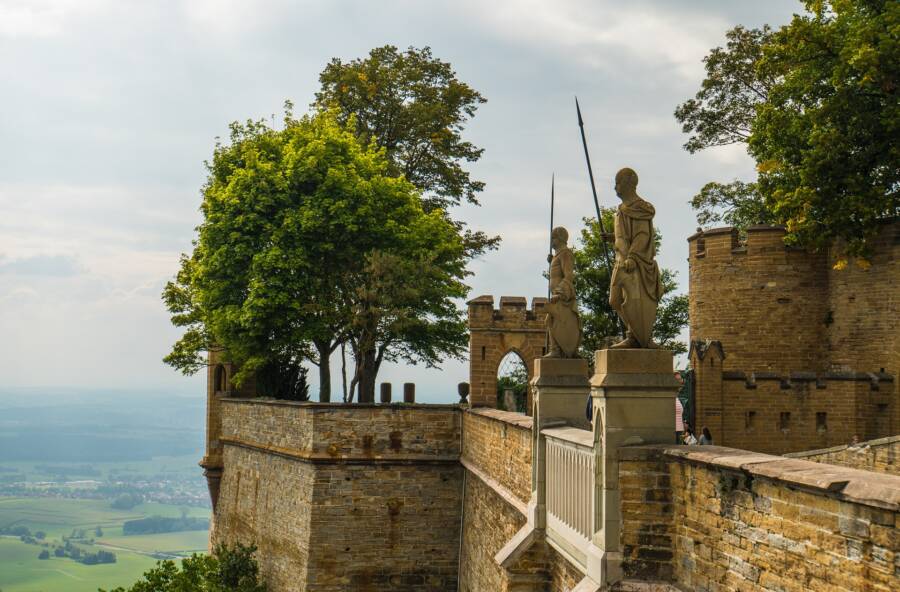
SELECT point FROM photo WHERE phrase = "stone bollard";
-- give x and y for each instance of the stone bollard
(385, 392)
(409, 392)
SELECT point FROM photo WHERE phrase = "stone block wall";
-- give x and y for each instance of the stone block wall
(779, 414)
(790, 327)
(361, 497)
(495, 332)
(498, 444)
(737, 520)
(496, 455)
(881, 455)
(766, 303)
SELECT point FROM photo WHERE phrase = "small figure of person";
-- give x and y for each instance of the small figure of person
(855, 441)
(679, 420)
(706, 437)
(688, 436)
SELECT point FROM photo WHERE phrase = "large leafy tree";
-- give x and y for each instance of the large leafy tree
(414, 106)
(826, 139)
(721, 114)
(816, 103)
(600, 323)
(291, 219)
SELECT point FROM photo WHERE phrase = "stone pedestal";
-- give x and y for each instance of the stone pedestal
(633, 393)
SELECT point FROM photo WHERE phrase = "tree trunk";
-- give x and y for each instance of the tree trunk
(344, 370)
(368, 372)
(324, 349)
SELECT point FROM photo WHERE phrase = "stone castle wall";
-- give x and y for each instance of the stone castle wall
(713, 518)
(778, 414)
(496, 455)
(881, 456)
(493, 333)
(779, 330)
(341, 497)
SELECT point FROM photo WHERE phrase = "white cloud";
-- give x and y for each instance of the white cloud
(600, 34)
(39, 18)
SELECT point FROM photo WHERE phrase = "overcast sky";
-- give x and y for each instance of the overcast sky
(108, 109)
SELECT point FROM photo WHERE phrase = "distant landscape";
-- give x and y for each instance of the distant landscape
(95, 487)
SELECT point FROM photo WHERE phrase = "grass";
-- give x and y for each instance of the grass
(181, 543)
(22, 571)
(58, 516)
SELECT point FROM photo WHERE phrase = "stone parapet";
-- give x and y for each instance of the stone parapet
(881, 455)
(333, 432)
(708, 517)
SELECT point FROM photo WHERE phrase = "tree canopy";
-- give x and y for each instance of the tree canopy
(816, 103)
(414, 106)
(281, 267)
(227, 570)
(599, 321)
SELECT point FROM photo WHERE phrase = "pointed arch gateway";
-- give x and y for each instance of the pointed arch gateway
(496, 332)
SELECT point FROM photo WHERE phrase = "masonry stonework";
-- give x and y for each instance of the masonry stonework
(714, 518)
(495, 332)
(339, 497)
(881, 456)
(789, 352)
(496, 455)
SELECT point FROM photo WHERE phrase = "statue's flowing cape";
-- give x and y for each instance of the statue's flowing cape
(634, 220)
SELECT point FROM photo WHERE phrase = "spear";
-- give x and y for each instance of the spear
(552, 199)
(587, 158)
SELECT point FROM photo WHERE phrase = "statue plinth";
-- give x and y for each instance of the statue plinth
(633, 394)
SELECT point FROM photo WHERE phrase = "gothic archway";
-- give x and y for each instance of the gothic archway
(513, 383)
(494, 333)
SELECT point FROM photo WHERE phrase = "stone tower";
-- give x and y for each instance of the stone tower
(494, 332)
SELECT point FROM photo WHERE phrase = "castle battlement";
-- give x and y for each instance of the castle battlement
(512, 312)
(725, 243)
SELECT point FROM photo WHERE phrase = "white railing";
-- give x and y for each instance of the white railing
(570, 487)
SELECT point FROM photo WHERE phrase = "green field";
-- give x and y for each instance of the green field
(184, 466)
(180, 543)
(58, 516)
(22, 571)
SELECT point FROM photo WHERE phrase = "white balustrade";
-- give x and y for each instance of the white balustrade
(570, 487)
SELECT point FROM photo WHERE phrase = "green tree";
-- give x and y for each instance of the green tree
(227, 570)
(722, 113)
(45, 554)
(414, 106)
(280, 269)
(826, 137)
(600, 323)
(404, 308)
(816, 104)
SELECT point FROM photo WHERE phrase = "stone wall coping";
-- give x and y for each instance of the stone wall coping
(869, 488)
(498, 488)
(860, 448)
(395, 406)
(569, 434)
(519, 420)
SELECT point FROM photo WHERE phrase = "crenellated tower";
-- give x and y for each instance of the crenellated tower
(494, 332)
(792, 351)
